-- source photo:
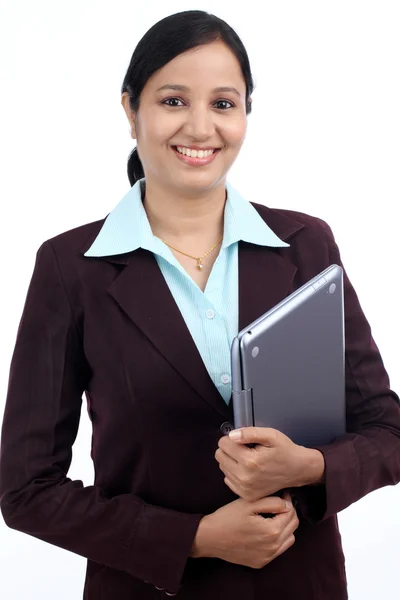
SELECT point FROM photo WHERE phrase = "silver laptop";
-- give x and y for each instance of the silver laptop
(288, 368)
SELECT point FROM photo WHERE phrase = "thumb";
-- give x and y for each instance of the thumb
(271, 504)
(253, 435)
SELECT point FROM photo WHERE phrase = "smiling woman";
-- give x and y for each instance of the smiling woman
(138, 311)
(187, 107)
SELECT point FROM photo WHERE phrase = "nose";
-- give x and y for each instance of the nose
(200, 124)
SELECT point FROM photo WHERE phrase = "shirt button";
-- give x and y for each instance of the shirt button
(210, 314)
(225, 378)
(226, 427)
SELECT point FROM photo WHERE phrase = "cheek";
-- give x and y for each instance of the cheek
(235, 132)
(156, 128)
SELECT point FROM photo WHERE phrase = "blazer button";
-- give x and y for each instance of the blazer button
(170, 593)
(226, 427)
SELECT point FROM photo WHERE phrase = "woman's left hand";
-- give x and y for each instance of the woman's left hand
(274, 464)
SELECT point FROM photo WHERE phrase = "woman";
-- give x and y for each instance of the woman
(138, 311)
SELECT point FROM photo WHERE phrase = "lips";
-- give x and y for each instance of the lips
(196, 160)
(196, 148)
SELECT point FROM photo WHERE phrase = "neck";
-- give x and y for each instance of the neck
(193, 221)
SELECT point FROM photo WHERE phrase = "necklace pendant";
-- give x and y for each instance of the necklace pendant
(199, 264)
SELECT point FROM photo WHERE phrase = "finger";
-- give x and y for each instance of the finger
(232, 486)
(288, 522)
(281, 526)
(231, 469)
(236, 486)
(258, 435)
(225, 459)
(235, 451)
(271, 504)
(288, 543)
(289, 528)
(288, 497)
(282, 521)
(231, 476)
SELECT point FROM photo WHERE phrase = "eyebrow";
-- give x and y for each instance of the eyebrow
(184, 88)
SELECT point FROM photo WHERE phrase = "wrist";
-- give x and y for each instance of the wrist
(313, 471)
(201, 546)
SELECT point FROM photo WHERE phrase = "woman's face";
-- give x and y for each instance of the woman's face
(196, 101)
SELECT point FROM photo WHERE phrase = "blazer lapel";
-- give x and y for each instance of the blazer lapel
(266, 274)
(143, 294)
(265, 278)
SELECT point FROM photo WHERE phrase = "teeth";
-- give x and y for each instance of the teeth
(194, 153)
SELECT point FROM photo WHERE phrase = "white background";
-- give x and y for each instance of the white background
(323, 139)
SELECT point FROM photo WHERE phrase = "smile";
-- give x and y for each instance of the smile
(195, 153)
(196, 157)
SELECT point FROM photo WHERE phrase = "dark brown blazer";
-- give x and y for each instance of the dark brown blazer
(111, 328)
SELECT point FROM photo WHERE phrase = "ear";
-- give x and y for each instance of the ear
(129, 113)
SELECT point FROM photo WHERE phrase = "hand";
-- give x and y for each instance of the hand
(238, 534)
(274, 464)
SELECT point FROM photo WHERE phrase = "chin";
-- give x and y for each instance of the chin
(199, 181)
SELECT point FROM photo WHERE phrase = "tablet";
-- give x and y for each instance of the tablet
(288, 367)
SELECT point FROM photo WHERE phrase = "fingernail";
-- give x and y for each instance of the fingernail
(236, 434)
(288, 505)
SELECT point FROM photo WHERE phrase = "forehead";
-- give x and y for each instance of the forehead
(210, 65)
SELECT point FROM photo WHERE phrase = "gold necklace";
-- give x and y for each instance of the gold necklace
(198, 258)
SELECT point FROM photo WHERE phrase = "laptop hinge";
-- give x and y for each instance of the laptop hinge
(243, 408)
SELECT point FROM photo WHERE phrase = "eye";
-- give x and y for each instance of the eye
(172, 100)
(224, 102)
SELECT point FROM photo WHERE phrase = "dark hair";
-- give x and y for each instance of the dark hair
(164, 41)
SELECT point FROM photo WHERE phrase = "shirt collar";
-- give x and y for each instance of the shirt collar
(127, 227)
(243, 223)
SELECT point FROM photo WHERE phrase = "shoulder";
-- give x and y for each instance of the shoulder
(281, 220)
(74, 241)
(62, 257)
(312, 246)
(274, 215)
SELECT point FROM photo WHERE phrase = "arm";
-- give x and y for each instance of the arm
(314, 467)
(47, 378)
(368, 456)
(202, 540)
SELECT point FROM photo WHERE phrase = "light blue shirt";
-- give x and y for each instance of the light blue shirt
(211, 316)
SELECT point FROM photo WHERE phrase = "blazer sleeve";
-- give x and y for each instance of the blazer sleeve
(367, 457)
(47, 378)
